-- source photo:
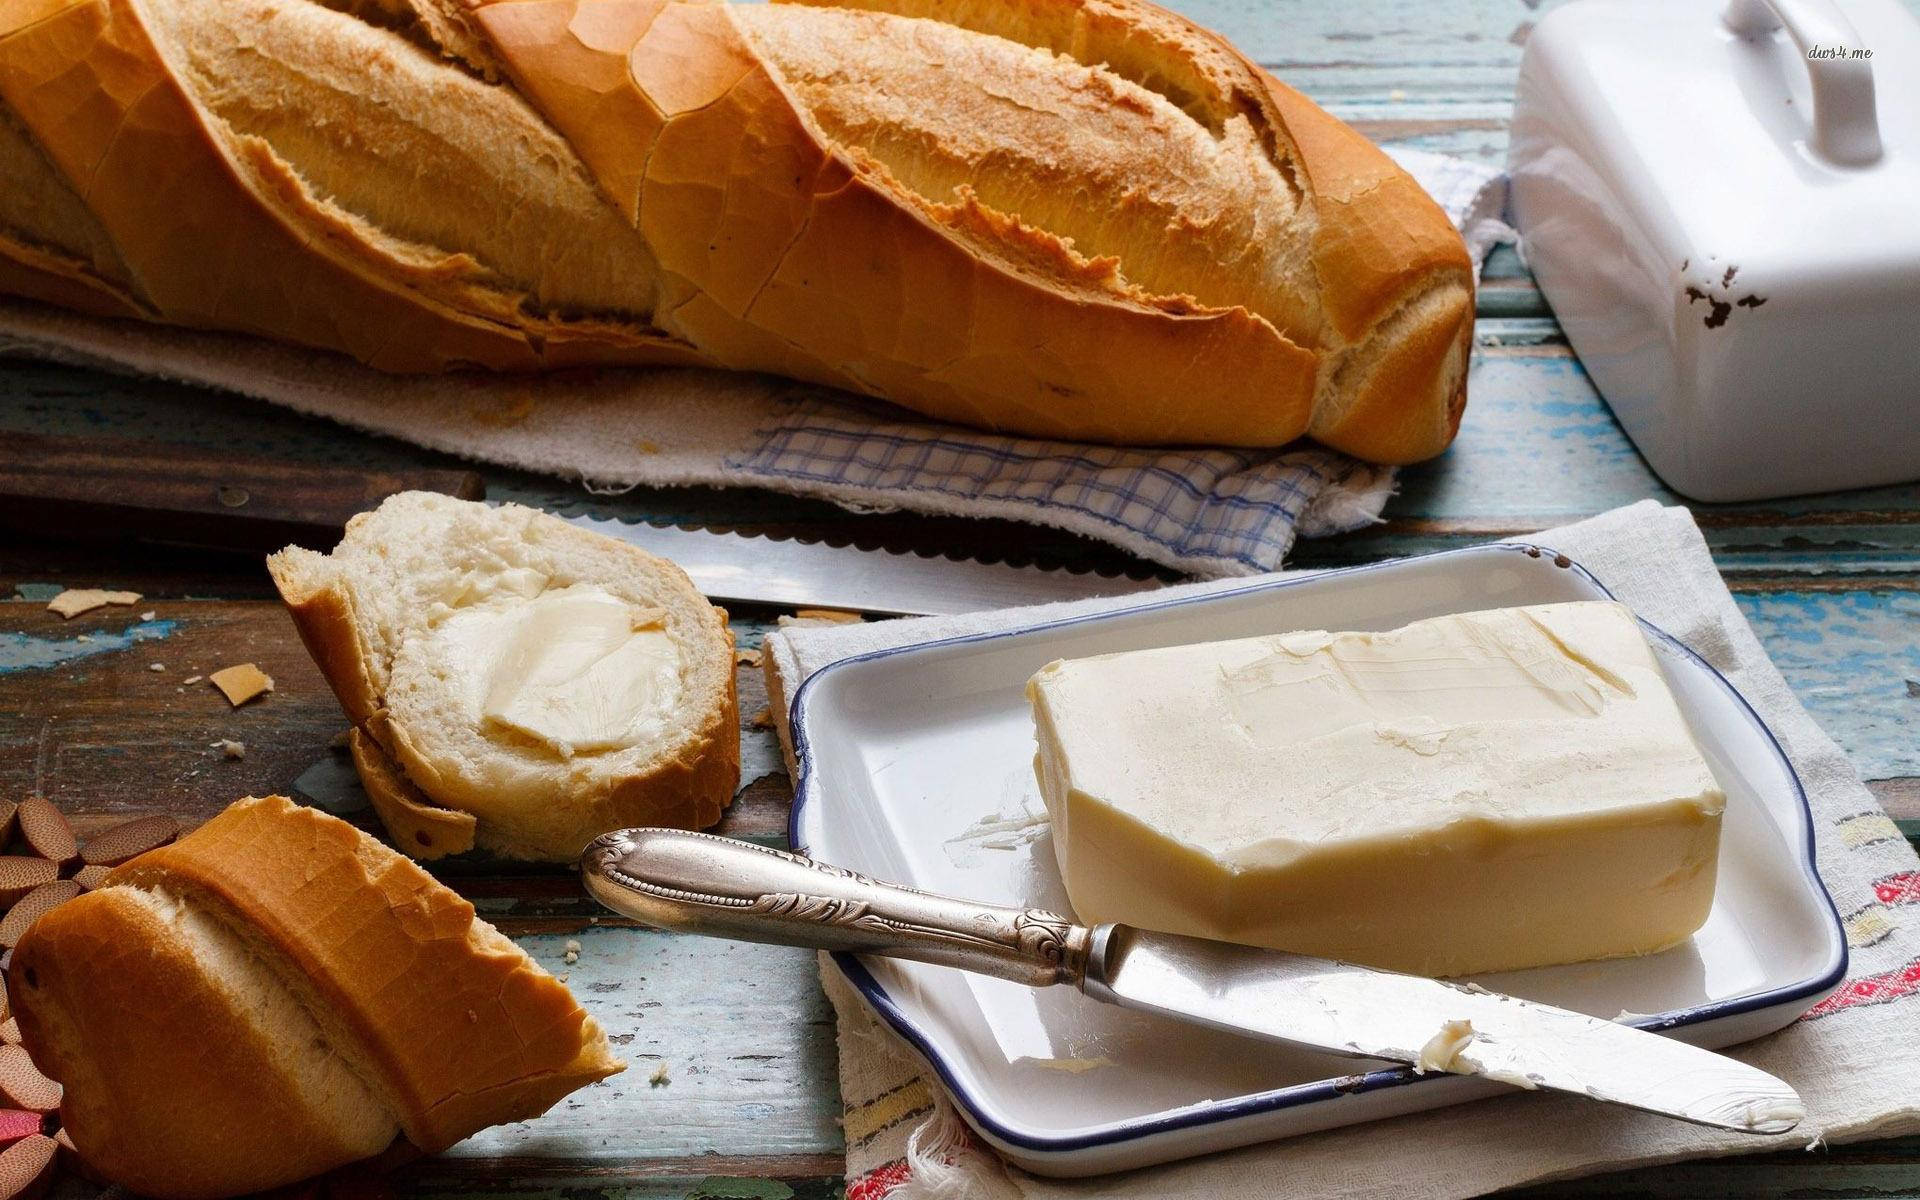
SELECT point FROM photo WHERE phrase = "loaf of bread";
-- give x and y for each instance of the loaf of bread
(278, 994)
(516, 682)
(1087, 219)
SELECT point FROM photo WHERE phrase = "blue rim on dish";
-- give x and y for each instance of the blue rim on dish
(1217, 1112)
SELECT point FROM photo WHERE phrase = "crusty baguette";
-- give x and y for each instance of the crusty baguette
(421, 621)
(277, 994)
(1079, 218)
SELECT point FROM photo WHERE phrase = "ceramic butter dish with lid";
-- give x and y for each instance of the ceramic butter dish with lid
(1722, 205)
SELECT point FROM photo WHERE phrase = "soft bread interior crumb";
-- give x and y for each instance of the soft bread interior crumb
(521, 666)
(307, 1054)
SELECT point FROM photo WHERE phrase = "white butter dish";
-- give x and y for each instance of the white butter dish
(916, 765)
(1722, 205)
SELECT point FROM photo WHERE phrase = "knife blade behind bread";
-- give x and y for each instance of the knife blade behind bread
(763, 570)
(698, 883)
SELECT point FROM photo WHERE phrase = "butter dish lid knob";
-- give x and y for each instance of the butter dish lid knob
(1846, 128)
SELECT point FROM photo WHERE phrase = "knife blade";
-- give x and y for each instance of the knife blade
(1435, 1026)
(698, 883)
(763, 570)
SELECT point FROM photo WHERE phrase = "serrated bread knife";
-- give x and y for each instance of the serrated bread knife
(732, 566)
(698, 883)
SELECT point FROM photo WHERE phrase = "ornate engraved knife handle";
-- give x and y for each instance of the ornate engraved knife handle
(698, 883)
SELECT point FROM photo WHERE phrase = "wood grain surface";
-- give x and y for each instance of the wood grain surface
(750, 1108)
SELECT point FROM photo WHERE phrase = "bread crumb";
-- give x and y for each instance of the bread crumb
(746, 658)
(231, 749)
(241, 683)
(504, 410)
(148, 615)
(835, 615)
(573, 952)
(193, 679)
(659, 1077)
(156, 666)
(564, 976)
(74, 601)
(763, 719)
(91, 877)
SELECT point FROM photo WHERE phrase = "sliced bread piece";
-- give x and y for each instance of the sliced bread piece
(278, 994)
(547, 682)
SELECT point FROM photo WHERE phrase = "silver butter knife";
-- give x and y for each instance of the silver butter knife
(733, 566)
(698, 883)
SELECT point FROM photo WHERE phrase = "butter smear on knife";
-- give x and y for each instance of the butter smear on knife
(1470, 793)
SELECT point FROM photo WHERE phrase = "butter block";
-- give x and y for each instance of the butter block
(1471, 793)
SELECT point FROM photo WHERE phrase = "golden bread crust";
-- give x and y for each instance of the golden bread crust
(777, 237)
(171, 1090)
(422, 828)
(463, 1032)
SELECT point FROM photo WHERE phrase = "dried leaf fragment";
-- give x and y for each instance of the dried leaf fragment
(16, 1123)
(74, 601)
(46, 830)
(241, 683)
(114, 846)
(21, 873)
(91, 879)
(34, 905)
(22, 1083)
(26, 1167)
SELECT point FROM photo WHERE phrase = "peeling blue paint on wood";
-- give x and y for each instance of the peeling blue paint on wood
(1850, 657)
(744, 1031)
(28, 652)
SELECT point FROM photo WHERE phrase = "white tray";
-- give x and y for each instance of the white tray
(916, 766)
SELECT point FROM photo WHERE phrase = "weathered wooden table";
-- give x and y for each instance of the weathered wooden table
(750, 1108)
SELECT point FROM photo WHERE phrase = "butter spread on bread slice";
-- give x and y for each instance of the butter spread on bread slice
(1088, 219)
(536, 683)
(277, 994)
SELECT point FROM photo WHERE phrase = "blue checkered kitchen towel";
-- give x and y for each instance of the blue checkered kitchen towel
(1205, 512)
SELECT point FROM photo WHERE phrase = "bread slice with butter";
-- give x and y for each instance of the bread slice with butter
(1475, 792)
(517, 683)
(276, 995)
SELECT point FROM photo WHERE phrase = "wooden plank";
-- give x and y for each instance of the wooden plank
(744, 1034)
(93, 727)
(706, 1177)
